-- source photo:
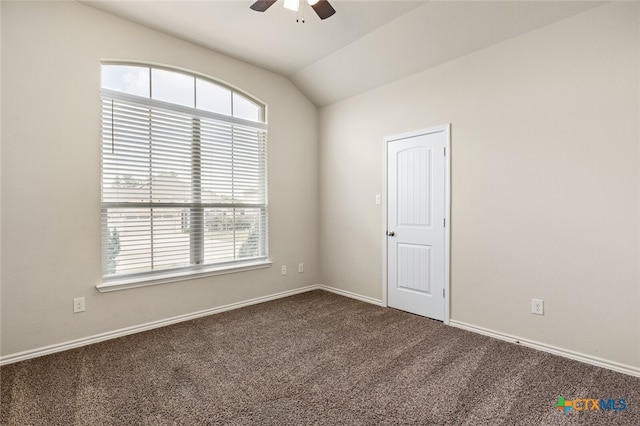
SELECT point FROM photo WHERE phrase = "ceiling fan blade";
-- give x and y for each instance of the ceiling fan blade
(262, 5)
(323, 9)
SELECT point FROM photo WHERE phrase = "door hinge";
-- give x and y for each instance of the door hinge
(445, 151)
(444, 222)
(443, 292)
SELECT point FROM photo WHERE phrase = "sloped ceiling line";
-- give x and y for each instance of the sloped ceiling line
(366, 44)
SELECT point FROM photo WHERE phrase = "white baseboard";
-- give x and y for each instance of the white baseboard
(350, 295)
(34, 353)
(577, 356)
(72, 344)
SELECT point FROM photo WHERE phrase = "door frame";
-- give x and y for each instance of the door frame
(446, 128)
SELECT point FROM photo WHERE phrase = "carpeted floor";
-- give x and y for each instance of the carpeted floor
(314, 358)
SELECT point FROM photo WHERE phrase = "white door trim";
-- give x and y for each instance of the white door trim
(446, 128)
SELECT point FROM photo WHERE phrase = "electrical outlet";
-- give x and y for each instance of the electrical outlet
(537, 306)
(300, 268)
(78, 305)
(283, 270)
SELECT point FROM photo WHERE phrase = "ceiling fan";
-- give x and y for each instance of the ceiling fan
(321, 7)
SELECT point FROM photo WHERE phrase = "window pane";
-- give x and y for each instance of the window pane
(125, 153)
(212, 97)
(216, 153)
(174, 87)
(129, 240)
(143, 239)
(234, 233)
(244, 108)
(219, 237)
(251, 244)
(128, 79)
(170, 157)
(249, 175)
(170, 238)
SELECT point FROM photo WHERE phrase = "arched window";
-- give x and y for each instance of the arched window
(184, 181)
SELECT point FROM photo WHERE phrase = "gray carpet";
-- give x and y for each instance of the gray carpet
(314, 358)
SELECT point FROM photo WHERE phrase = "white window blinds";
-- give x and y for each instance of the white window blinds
(182, 188)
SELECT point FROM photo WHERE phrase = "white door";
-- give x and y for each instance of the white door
(417, 241)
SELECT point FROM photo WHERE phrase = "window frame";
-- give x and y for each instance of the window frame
(194, 270)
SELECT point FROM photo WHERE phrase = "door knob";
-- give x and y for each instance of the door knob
(391, 233)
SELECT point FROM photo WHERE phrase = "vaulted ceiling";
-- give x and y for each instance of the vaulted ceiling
(364, 45)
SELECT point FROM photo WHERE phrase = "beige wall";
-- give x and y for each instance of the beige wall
(51, 56)
(545, 182)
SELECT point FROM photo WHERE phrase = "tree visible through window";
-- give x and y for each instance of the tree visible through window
(184, 183)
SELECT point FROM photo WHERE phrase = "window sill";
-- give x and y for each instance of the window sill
(170, 277)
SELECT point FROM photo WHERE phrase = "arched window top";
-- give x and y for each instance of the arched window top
(181, 88)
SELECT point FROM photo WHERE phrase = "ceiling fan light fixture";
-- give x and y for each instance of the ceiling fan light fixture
(291, 5)
(322, 7)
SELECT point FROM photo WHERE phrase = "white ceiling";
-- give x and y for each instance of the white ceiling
(364, 45)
